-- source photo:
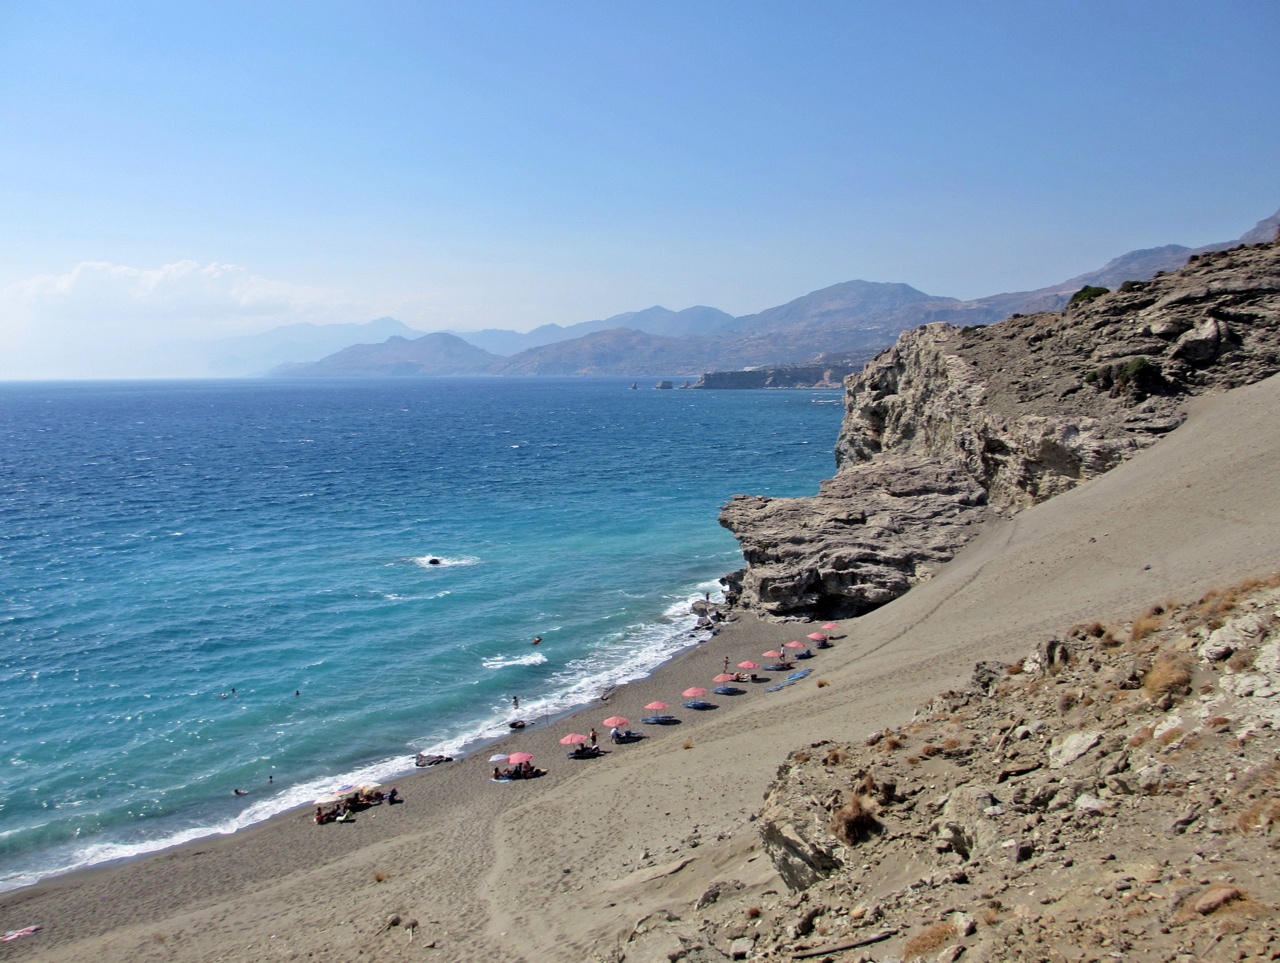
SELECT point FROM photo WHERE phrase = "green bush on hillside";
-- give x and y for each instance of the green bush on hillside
(1087, 293)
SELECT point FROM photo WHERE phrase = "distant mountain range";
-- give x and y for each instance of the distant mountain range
(851, 321)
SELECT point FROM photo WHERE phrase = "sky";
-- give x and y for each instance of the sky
(171, 172)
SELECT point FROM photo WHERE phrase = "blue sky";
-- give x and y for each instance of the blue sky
(177, 170)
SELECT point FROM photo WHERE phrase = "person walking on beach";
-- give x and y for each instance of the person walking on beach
(595, 738)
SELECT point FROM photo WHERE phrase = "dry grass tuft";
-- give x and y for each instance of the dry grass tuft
(1014, 668)
(159, 938)
(913, 760)
(1087, 630)
(688, 744)
(801, 757)
(891, 743)
(929, 750)
(753, 912)
(1259, 814)
(929, 940)
(823, 683)
(856, 820)
(834, 757)
(381, 877)
(1242, 660)
(1150, 621)
(1170, 674)
(951, 744)
(1141, 736)
(1066, 702)
(1171, 736)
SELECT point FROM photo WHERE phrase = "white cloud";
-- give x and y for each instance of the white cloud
(112, 320)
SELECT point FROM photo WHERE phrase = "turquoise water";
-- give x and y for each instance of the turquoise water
(163, 544)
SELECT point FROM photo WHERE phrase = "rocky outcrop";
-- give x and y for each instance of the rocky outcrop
(1052, 815)
(953, 423)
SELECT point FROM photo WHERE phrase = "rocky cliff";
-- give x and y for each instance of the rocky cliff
(952, 424)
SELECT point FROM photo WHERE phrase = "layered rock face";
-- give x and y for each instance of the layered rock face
(951, 424)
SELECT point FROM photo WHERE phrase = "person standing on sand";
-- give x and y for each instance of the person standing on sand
(595, 738)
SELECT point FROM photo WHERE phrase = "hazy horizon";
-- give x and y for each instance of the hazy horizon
(179, 174)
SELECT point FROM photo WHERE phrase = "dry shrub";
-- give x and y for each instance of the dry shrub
(159, 937)
(1144, 625)
(381, 877)
(1217, 722)
(929, 750)
(856, 820)
(1170, 674)
(1066, 702)
(801, 758)
(929, 940)
(688, 744)
(1242, 660)
(1141, 736)
(822, 683)
(1108, 640)
(891, 743)
(753, 912)
(1259, 814)
(1087, 630)
(1014, 668)
(951, 744)
(990, 915)
(834, 757)
(1171, 736)
(913, 760)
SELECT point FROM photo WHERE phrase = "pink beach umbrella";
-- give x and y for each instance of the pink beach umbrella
(832, 625)
(796, 644)
(657, 706)
(613, 722)
(816, 636)
(773, 654)
(748, 665)
(725, 677)
(573, 739)
(697, 692)
(519, 757)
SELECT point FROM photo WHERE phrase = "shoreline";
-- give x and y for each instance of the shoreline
(688, 638)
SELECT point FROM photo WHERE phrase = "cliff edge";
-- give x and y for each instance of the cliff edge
(951, 424)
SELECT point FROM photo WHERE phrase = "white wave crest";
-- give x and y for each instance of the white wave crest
(502, 661)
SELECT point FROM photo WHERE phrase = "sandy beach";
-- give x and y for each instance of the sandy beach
(563, 867)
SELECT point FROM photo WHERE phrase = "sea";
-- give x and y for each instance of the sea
(285, 587)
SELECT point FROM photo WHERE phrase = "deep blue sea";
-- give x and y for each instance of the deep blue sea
(165, 543)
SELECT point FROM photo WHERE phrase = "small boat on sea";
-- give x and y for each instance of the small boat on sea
(634, 386)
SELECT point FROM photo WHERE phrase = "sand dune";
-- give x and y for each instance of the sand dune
(563, 867)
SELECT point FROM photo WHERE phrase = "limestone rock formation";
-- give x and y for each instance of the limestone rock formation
(952, 423)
